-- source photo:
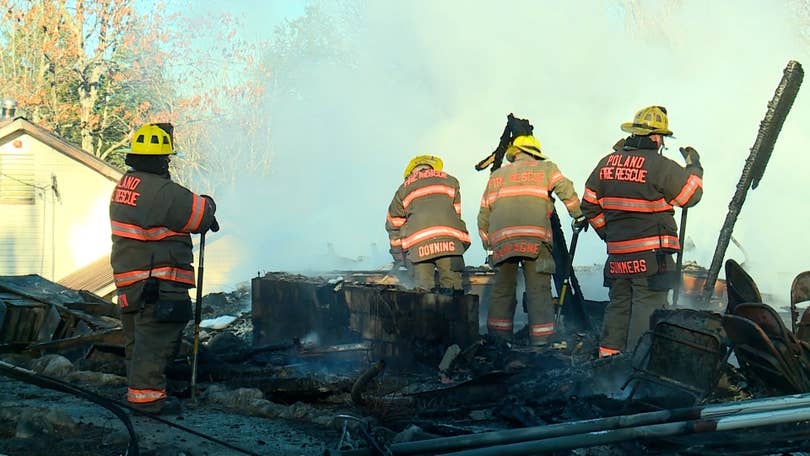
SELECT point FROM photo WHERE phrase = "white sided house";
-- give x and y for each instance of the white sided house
(54, 208)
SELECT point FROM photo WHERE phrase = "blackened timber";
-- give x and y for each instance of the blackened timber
(404, 325)
(769, 129)
(287, 307)
(400, 325)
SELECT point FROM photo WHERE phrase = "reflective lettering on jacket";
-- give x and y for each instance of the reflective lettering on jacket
(629, 200)
(151, 230)
(436, 247)
(513, 219)
(627, 267)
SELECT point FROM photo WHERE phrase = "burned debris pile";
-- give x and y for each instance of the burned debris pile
(38, 317)
(380, 368)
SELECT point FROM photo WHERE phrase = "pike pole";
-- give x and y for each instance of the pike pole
(197, 318)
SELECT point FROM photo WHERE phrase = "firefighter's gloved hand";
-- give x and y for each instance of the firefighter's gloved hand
(690, 155)
(214, 225)
(400, 260)
(489, 261)
(210, 201)
(580, 223)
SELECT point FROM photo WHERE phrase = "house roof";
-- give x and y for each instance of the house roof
(95, 277)
(12, 128)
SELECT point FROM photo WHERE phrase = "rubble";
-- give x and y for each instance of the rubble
(38, 316)
(392, 376)
(251, 401)
(402, 325)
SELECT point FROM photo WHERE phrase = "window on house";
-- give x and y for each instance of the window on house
(17, 178)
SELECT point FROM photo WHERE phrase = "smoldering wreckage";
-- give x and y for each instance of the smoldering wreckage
(355, 363)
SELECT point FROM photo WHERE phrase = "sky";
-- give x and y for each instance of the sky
(427, 77)
(260, 17)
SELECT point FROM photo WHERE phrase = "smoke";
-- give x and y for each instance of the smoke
(407, 78)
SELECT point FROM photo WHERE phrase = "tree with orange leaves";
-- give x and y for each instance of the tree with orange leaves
(94, 70)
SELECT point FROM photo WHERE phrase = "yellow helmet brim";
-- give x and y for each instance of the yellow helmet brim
(429, 160)
(643, 130)
(513, 150)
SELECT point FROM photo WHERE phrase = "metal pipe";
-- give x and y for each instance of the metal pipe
(568, 442)
(597, 424)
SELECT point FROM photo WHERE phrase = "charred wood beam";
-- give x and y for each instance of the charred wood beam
(362, 382)
(108, 337)
(314, 351)
(769, 129)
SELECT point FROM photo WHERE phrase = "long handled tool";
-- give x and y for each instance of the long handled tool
(567, 277)
(197, 318)
(679, 261)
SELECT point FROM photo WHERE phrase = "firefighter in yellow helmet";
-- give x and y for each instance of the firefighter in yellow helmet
(514, 225)
(425, 227)
(152, 219)
(629, 200)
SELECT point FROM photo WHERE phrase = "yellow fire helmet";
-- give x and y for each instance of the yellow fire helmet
(153, 139)
(649, 121)
(528, 144)
(429, 160)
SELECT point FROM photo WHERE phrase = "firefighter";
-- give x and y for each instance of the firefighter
(629, 199)
(152, 218)
(514, 225)
(425, 227)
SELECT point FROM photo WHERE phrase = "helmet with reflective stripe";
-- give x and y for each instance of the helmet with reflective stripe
(649, 121)
(528, 144)
(428, 160)
(153, 139)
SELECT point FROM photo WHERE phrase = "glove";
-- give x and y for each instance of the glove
(211, 201)
(619, 145)
(400, 260)
(579, 223)
(215, 224)
(690, 155)
(488, 260)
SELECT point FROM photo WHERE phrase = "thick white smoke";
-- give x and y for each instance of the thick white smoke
(439, 77)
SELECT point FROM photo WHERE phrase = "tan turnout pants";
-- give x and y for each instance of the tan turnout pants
(423, 274)
(502, 301)
(149, 345)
